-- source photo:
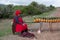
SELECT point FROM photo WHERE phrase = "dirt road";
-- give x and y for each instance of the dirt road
(56, 13)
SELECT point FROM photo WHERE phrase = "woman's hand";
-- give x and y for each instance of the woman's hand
(23, 24)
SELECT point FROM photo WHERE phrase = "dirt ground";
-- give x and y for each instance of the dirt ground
(42, 36)
(45, 35)
(56, 13)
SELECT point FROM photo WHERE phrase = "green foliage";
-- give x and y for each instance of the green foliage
(32, 9)
(6, 11)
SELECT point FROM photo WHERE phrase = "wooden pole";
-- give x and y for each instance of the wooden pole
(41, 24)
(50, 26)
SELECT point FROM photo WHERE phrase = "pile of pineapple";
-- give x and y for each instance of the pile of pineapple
(52, 20)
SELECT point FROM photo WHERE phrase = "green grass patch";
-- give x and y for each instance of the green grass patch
(5, 28)
(5, 32)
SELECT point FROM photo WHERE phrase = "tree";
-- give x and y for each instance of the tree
(51, 7)
(33, 8)
(35, 4)
(9, 10)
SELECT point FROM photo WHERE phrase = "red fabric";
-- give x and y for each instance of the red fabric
(17, 12)
(20, 27)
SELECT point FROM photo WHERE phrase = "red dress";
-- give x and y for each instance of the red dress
(20, 27)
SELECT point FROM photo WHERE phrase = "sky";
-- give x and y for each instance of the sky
(55, 3)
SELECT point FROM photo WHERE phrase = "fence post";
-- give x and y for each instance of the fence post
(41, 24)
(50, 26)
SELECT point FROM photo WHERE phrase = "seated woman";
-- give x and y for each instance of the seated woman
(18, 23)
(19, 26)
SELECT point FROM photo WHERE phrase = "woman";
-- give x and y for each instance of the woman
(18, 23)
(19, 26)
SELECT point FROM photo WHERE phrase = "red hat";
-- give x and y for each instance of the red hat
(17, 12)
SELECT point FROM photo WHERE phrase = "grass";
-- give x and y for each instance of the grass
(5, 32)
(5, 28)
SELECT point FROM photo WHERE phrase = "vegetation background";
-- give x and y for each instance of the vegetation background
(6, 11)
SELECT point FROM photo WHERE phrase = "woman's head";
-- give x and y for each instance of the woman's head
(17, 12)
